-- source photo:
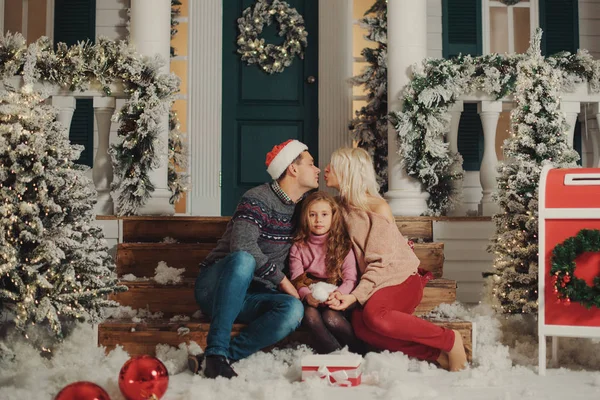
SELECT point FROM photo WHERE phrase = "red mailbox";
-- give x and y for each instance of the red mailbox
(569, 201)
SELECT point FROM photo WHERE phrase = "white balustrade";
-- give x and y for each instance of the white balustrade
(571, 110)
(489, 112)
(104, 107)
(102, 173)
(452, 138)
(66, 107)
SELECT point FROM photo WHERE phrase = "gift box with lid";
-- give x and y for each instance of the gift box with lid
(568, 265)
(339, 369)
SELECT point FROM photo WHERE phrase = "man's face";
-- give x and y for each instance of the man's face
(307, 172)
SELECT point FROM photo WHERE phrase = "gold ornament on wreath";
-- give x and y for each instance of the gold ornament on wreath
(271, 58)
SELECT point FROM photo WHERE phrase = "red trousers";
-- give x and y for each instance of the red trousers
(386, 322)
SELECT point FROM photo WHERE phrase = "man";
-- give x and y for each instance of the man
(242, 278)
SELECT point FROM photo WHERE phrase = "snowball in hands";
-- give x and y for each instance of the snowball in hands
(321, 290)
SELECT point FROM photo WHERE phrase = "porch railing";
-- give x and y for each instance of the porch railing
(581, 101)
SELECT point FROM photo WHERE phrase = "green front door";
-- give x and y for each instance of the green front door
(262, 110)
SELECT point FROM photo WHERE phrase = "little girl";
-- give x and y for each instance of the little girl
(322, 252)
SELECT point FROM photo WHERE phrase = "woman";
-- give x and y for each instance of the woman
(390, 288)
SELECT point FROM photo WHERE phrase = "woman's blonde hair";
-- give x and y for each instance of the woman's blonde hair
(354, 170)
(338, 242)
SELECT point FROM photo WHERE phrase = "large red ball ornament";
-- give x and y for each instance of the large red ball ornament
(82, 391)
(143, 377)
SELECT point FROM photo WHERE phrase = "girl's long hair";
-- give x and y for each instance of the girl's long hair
(338, 243)
(356, 176)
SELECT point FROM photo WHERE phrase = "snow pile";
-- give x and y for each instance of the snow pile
(132, 278)
(165, 274)
(126, 312)
(505, 367)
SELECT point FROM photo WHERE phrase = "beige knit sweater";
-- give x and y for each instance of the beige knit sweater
(383, 255)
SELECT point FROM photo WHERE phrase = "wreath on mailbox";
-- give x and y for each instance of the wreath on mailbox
(271, 58)
(567, 287)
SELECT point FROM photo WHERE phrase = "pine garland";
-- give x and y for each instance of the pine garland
(150, 95)
(370, 126)
(539, 138)
(567, 287)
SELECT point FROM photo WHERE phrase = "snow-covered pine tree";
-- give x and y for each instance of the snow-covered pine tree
(539, 138)
(54, 262)
(370, 127)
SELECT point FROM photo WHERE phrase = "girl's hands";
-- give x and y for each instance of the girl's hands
(332, 299)
(345, 301)
(311, 301)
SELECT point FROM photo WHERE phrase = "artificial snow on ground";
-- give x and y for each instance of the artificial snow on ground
(505, 368)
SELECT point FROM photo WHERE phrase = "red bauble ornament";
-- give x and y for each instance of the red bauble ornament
(567, 279)
(82, 391)
(143, 377)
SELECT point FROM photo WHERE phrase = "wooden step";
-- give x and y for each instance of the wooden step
(141, 259)
(142, 338)
(179, 299)
(188, 229)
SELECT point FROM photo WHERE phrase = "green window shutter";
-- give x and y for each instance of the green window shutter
(559, 20)
(461, 27)
(75, 21)
(470, 138)
(462, 34)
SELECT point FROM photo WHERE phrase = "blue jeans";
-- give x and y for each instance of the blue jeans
(224, 293)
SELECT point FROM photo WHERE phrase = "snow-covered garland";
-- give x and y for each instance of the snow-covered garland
(150, 95)
(438, 83)
(271, 58)
(567, 287)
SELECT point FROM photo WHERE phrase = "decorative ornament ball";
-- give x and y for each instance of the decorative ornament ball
(143, 377)
(82, 391)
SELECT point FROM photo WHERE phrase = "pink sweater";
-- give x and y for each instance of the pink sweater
(310, 258)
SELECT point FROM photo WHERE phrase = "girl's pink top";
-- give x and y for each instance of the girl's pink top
(310, 258)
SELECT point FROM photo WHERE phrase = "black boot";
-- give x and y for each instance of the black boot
(218, 366)
(195, 363)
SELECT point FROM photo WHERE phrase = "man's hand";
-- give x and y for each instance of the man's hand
(311, 301)
(346, 300)
(286, 287)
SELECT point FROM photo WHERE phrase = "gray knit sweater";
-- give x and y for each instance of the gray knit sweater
(263, 225)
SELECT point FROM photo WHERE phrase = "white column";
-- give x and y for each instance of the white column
(456, 112)
(66, 108)
(102, 173)
(335, 65)
(571, 110)
(489, 112)
(205, 98)
(407, 45)
(149, 31)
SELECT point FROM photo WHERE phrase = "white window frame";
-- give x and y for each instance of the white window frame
(486, 6)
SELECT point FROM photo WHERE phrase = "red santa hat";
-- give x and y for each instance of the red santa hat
(282, 155)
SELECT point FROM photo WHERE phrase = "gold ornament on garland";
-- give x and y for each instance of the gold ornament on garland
(567, 287)
(271, 58)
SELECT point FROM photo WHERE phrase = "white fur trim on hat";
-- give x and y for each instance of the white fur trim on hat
(285, 157)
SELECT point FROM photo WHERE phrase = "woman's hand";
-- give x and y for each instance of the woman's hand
(286, 287)
(311, 301)
(332, 299)
(346, 300)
